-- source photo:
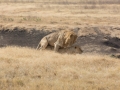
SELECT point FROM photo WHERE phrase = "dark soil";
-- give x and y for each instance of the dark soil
(21, 38)
(100, 43)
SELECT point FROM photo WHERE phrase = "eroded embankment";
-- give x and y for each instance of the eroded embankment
(91, 39)
(21, 37)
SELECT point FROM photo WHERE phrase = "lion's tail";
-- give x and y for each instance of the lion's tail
(38, 46)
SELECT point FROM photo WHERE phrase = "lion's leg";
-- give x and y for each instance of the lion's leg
(58, 43)
(44, 43)
(43, 46)
(56, 47)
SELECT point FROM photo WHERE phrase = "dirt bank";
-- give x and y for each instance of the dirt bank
(91, 39)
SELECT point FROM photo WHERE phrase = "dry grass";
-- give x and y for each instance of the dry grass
(60, 15)
(56, 16)
(28, 69)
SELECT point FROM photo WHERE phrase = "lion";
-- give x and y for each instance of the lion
(63, 39)
(74, 49)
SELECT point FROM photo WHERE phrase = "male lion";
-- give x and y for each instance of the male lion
(58, 39)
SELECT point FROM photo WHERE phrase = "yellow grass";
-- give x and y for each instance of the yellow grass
(56, 16)
(59, 15)
(28, 69)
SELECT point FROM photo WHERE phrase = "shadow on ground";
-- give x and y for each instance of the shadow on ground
(22, 38)
(89, 43)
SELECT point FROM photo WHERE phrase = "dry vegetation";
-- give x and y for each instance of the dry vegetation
(62, 14)
(36, 70)
(23, 68)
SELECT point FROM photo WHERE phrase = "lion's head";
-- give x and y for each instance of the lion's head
(78, 49)
(75, 49)
(70, 38)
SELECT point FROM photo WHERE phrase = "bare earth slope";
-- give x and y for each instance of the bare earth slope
(91, 39)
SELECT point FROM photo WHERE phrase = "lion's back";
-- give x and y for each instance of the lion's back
(52, 38)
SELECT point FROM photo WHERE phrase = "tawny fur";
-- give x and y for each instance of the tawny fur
(74, 49)
(59, 39)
